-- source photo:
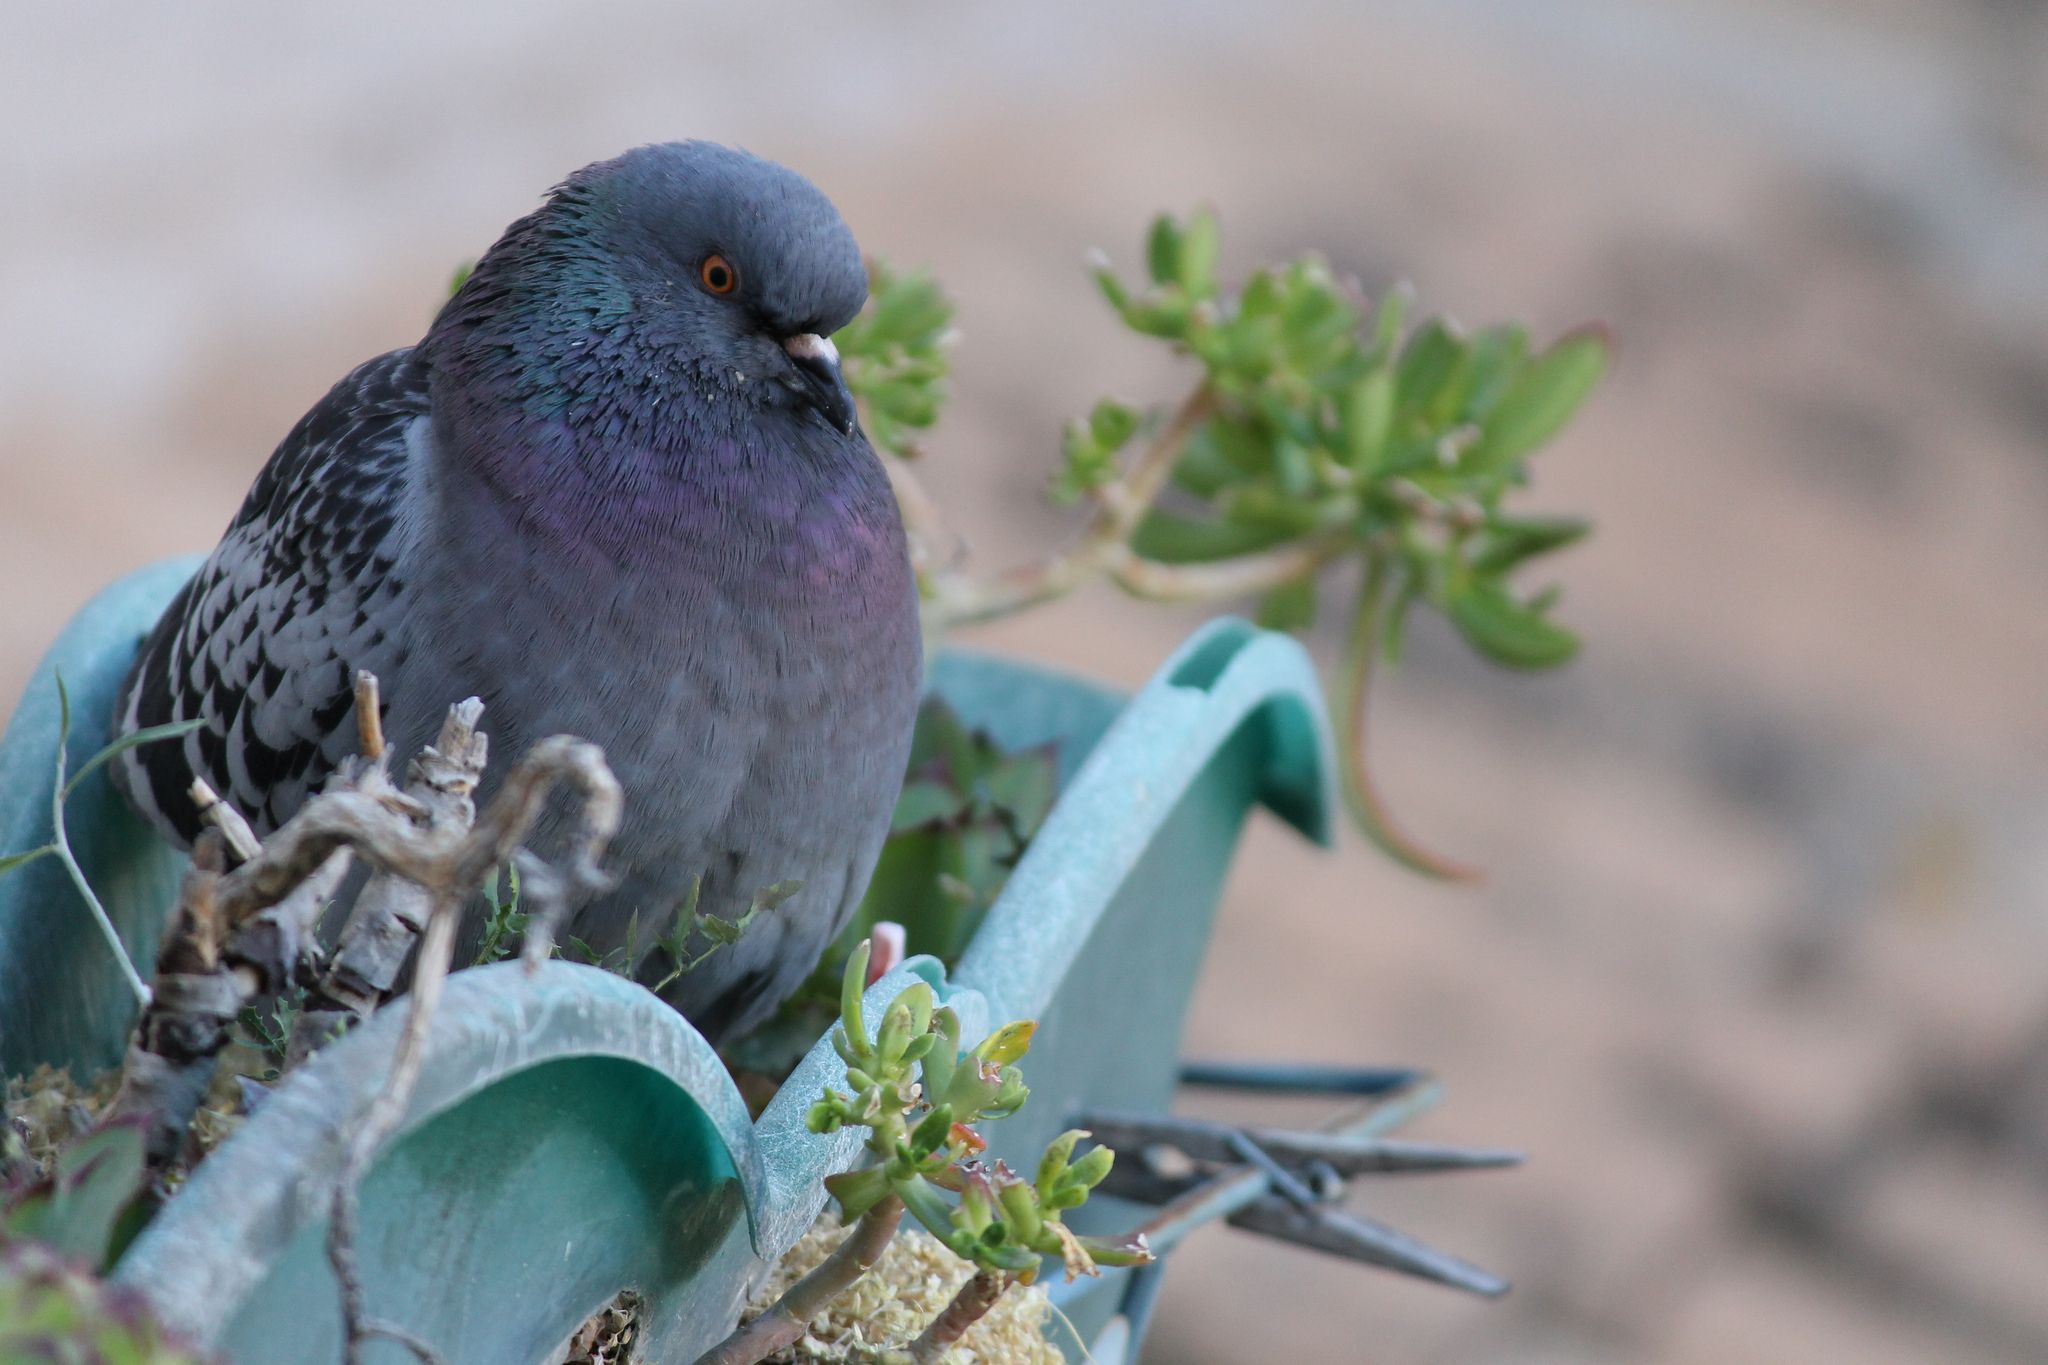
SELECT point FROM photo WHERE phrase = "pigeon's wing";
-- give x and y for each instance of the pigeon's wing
(304, 589)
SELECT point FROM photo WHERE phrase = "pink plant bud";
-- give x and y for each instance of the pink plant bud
(887, 938)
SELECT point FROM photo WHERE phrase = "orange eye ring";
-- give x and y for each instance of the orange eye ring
(718, 274)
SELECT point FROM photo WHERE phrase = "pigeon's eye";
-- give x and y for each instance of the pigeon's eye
(718, 274)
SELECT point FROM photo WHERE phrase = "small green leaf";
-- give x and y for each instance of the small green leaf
(14, 860)
(938, 1064)
(1163, 250)
(1112, 424)
(851, 985)
(1508, 632)
(1365, 417)
(1392, 316)
(857, 1191)
(932, 1132)
(1091, 1169)
(1121, 1251)
(1199, 247)
(1022, 787)
(1508, 541)
(1021, 1209)
(1429, 360)
(1540, 401)
(926, 801)
(1497, 356)
(1008, 1043)
(1291, 606)
(1269, 510)
(1160, 315)
(1112, 289)
(774, 895)
(1052, 1163)
(151, 735)
(927, 1205)
(1171, 539)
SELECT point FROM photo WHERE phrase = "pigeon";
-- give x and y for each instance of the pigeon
(618, 491)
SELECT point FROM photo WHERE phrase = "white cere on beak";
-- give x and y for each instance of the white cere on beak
(811, 346)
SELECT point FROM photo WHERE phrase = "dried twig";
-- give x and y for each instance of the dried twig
(207, 969)
(391, 910)
(449, 861)
(170, 1059)
(252, 931)
(215, 811)
(369, 717)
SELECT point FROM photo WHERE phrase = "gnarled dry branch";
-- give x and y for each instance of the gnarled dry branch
(251, 931)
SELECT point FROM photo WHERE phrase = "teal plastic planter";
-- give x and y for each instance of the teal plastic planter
(570, 1136)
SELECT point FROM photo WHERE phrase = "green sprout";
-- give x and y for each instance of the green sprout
(919, 1095)
(894, 357)
(717, 933)
(1321, 434)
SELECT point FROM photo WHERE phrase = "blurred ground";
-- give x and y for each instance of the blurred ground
(1756, 977)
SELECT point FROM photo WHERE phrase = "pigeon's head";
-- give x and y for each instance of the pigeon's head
(736, 269)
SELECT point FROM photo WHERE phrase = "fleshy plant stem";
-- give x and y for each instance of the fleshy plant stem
(1348, 719)
(787, 1319)
(975, 1298)
(60, 841)
(1103, 547)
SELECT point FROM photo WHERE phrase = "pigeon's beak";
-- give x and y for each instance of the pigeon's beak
(818, 360)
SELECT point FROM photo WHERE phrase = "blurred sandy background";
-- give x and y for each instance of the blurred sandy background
(1757, 979)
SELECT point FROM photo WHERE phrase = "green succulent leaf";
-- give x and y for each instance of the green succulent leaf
(1163, 250)
(1541, 399)
(1091, 1169)
(1118, 1251)
(1291, 606)
(1021, 1210)
(1052, 1164)
(932, 1133)
(1196, 264)
(1509, 541)
(1366, 420)
(858, 1191)
(926, 1205)
(1166, 538)
(894, 356)
(1007, 1044)
(1510, 632)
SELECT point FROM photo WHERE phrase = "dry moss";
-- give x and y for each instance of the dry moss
(47, 1110)
(891, 1304)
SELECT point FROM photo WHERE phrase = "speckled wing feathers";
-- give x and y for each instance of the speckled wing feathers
(304, 589)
